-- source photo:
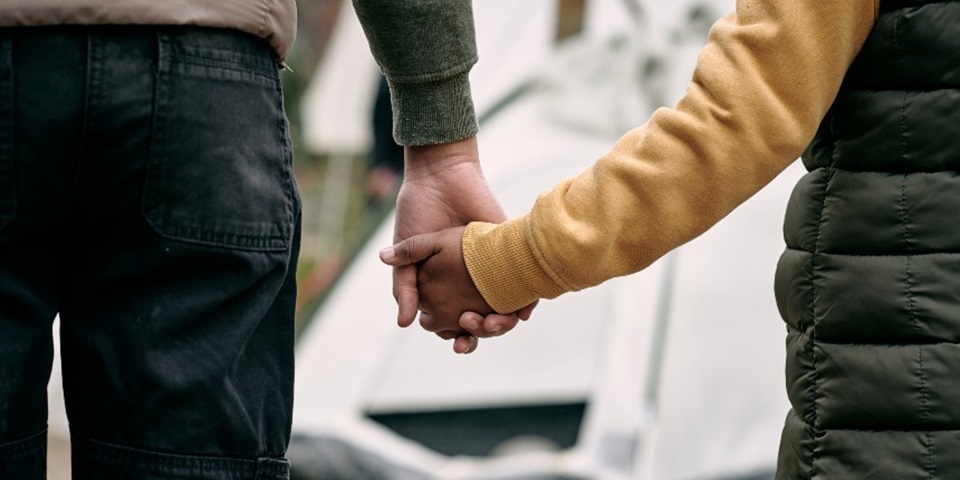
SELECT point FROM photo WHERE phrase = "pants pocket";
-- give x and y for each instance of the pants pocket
(220, 168)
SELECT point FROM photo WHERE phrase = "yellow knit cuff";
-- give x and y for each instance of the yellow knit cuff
(502, 264)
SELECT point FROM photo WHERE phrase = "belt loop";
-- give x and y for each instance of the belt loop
(161, 50)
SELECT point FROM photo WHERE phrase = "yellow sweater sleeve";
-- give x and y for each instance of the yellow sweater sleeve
(763, 83)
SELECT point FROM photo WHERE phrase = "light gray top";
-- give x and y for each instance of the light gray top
(273, 20)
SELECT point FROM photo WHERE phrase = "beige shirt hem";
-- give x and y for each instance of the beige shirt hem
(273, 20)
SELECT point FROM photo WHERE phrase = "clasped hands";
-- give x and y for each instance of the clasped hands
(443, 189)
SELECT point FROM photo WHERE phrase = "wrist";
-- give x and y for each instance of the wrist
(504, 267)
(425, 161)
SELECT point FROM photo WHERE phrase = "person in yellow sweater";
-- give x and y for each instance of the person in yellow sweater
(869, 93)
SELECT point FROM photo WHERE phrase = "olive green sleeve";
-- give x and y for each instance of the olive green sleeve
(426, 49)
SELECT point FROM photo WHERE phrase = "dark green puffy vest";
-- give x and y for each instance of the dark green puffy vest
(869, 285)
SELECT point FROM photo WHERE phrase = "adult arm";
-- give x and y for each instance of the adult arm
(426, 49)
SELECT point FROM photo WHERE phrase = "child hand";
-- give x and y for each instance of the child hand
(447, 293)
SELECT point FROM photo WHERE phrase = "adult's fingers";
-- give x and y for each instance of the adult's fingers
(465, 344)
(427, 323)
(406, 294)
(448, 334)
(492, 325)
(462, 342)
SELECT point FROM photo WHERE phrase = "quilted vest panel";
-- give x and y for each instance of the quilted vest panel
(869, 285)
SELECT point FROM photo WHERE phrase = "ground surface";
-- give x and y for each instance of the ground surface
(58, 458)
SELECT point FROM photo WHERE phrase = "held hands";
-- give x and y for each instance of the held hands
(449, 301)
(443, 187)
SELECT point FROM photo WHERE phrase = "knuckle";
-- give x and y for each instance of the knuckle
(408, 248)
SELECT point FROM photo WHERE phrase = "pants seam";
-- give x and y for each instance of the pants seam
(137, 457)
(23, 446)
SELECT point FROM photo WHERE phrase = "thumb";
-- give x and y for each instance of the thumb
(410, 251)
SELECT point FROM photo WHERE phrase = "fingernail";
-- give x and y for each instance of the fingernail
(471, 324)
(388, 254)
(495, 328)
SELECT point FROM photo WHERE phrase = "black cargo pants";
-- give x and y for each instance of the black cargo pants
(147, 196)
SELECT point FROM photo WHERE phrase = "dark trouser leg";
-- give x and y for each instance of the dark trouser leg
(39, 136)
(178, 255)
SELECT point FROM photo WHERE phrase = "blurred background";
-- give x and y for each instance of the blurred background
(675, 373)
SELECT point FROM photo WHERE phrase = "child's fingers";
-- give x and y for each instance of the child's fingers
(410, 251)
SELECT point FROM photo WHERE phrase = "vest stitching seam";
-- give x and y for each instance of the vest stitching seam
(911, 309)
(815, 377)
(911, 304)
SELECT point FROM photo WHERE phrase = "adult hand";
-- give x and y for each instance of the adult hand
(443, 186)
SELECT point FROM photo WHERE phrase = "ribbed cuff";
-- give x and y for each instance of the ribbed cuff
(503, 266)
(430, 113)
